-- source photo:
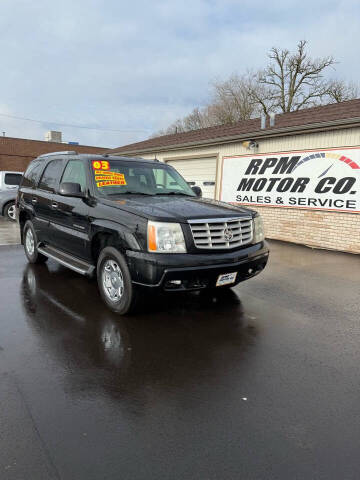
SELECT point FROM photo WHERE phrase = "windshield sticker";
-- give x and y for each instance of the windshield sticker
(108, 173)
(111, 175)
(100, 164)
(107, 183)
(105, 179)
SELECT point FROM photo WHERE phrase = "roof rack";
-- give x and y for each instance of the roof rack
(65, 152)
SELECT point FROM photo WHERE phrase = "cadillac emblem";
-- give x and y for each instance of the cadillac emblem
(228, 235)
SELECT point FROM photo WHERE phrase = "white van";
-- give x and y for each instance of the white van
(10, 180)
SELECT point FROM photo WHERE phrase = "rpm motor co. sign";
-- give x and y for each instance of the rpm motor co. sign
(321, 179)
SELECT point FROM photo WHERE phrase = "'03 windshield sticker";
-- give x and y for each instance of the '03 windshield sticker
(105, 177)
(100, 164)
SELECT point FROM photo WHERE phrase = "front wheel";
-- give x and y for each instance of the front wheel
(10, 212)
(114, 281)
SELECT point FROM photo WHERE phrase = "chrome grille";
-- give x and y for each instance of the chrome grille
(222, 232)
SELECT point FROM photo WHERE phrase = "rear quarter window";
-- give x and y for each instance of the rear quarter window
(32, 175)
(51, 175)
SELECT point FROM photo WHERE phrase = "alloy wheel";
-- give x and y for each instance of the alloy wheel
(11, 212)
(29, 242)
(112, 280)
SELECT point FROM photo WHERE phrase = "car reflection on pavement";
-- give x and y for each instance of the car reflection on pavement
(172, 342)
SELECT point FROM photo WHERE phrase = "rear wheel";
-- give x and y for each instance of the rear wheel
(10, 212)
(30, 244)
(114, 281)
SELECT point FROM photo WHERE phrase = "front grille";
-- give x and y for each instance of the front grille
(222, 232)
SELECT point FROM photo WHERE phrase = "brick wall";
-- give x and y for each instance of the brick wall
(15, 163)
(17, 153)
(316, 228)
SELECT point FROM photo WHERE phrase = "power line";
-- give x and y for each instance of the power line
(75, 126)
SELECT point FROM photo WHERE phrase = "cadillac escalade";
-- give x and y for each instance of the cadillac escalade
(134, 224)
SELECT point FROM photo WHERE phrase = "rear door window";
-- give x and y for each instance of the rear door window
(13, 179)
(50, 178)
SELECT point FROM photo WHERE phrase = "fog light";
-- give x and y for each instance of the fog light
(174, 285)
(250, 271)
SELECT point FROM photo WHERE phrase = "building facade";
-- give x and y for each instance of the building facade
(302, 173)
(17, 153)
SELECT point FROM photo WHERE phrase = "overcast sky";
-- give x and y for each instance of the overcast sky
(136, 66)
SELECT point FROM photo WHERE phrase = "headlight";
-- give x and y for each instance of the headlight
(165, 237)
(258, 230)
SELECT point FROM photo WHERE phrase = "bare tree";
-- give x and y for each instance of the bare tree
(291, 82)
(232, 101)
(198, 118)
(339, 91)
(175, 127)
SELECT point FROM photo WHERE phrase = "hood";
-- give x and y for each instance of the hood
(177, 208)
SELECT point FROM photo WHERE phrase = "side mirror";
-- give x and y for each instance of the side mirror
(197, 190)
(70, 189)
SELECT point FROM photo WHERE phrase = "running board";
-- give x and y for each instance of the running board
(79, 266)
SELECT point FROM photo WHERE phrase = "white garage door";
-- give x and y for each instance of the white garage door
(198, 171)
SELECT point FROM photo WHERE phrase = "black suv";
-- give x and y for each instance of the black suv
(134, 223)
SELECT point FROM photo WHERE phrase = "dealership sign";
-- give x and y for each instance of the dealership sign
(321, 179)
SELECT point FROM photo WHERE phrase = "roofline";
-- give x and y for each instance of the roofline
(80, 155)
(91, 156)
(257, 134)
(50, 143)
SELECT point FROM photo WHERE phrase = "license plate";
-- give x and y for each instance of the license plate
(226, 279)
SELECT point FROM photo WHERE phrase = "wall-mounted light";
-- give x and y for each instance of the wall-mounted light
(250, 144)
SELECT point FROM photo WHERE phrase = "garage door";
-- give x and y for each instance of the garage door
(198, 171)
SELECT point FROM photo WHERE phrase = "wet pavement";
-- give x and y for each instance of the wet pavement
(260, 383)
(9, 232)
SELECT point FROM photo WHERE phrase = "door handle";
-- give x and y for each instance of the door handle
(34, 200)
(54, 205)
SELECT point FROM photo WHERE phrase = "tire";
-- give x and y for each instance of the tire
(9, 212)
(114, 281)
(30, 244)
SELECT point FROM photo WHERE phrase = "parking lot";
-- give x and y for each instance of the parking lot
(9, 232)
(261, 382)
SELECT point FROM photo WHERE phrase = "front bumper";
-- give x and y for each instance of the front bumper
(195, 271)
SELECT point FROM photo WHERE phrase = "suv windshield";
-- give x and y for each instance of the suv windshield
(116, 177)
